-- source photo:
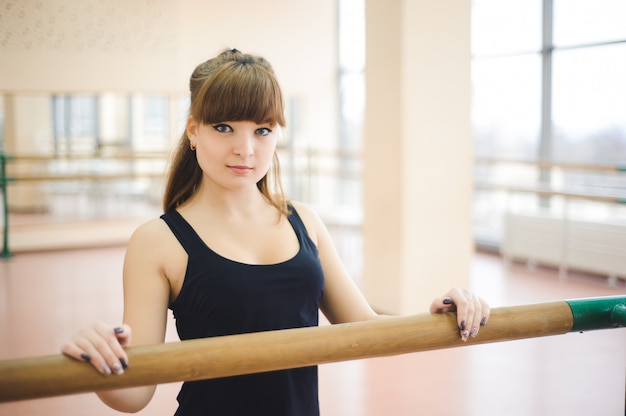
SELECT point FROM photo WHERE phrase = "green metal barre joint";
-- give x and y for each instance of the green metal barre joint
(602, 313)
(4, 180)
(7, 158)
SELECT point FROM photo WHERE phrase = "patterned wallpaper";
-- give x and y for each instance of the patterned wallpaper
(76, 26)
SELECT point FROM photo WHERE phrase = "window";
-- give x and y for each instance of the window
(548, 105)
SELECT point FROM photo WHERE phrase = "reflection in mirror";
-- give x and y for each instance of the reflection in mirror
(86, 155)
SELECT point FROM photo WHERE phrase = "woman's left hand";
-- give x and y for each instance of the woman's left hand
(472, 312)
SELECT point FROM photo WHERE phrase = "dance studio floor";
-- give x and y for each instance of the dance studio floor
(46, 296)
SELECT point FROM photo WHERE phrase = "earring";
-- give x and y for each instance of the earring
(192, 147)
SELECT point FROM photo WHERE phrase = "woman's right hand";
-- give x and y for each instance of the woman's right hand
(102, 346)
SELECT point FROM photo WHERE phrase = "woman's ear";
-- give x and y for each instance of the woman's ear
(191, 130)
(192, 127)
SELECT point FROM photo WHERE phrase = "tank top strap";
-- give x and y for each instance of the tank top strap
(295, 220)
(300, 229)
(182, 230)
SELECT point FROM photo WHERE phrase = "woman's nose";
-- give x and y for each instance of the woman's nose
(244, 144)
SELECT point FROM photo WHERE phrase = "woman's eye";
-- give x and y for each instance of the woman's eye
(263, 131)
(223, 128)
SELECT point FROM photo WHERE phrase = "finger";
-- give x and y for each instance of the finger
(81, 348)
(123, 334)
(88, 345)
(478, 315)
(464, 311)
(456, 299)
(99, 346)
(486, 312)
(109, 347)
(95, 349)
(73, 351)
(465, 317)
(442, 304)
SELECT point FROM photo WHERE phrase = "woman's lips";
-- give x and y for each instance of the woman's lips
(240, 169)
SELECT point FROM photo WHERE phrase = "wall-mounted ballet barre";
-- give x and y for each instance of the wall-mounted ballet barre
(7, 179)
(55, 375)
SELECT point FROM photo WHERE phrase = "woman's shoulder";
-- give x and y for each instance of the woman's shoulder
(151, 232)
(151, 227)
(153, 243)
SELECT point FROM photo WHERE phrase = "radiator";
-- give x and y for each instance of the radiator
(594, 247)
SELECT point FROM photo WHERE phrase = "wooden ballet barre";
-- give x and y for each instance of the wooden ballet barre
(55, 375)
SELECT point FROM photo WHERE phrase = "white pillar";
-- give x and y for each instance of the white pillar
(417, 152)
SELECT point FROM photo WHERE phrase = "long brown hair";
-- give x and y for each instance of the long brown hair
(233, 86)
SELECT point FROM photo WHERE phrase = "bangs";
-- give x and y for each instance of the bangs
(240, 91)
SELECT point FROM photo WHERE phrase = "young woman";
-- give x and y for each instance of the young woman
(231, 255)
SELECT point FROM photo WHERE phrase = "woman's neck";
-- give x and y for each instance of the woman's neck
(228, 205)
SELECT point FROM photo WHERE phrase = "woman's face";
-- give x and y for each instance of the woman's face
(233, 154)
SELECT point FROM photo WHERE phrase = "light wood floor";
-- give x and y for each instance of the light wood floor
(46, 296)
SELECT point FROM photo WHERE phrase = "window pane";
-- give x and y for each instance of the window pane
(83, 112)
(589, 105)
(352, 90)
(505, 26)
(584, 21)
(156, 115)
(506, 106)
(352, 35)
(114, 120)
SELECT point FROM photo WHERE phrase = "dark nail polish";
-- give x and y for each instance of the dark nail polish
(448, 301)
(118, 330)
(124, 363)
(462, 326)
(85, 357)
(483, 322)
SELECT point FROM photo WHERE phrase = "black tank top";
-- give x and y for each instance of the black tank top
(224, 297)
